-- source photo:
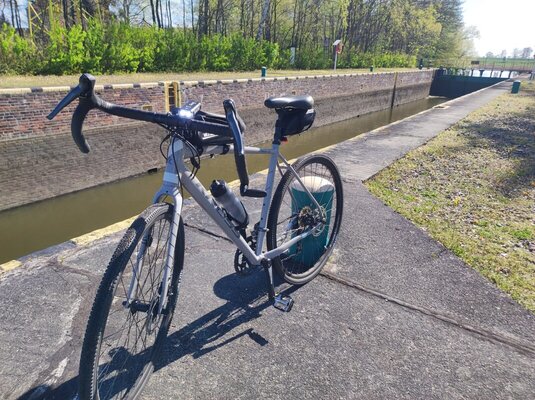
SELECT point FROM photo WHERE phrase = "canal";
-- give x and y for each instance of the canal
(37, 226)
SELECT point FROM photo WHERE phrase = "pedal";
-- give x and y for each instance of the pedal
(283, 303)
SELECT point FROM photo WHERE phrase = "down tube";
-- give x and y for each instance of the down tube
(205, 200)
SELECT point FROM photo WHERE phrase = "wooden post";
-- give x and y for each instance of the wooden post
(172, 95)
(166, 95)
(178, 97)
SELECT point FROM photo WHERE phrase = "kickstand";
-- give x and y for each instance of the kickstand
(280, 302)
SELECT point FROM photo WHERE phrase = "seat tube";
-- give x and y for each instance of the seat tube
(267, 200)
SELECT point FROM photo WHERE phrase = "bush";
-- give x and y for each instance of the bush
(117, 47)
(174, 50)
(95, 47)
(65, 51)
(120, 54)
(353, 59)
(17, 55)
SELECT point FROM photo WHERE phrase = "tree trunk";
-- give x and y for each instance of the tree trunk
(158, 9)
(192, 17)
(153, 11)
(184, 15)
(261, 24)
(65, 7)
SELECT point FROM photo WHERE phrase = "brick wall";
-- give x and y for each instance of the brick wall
(23, 111)
(39, 160)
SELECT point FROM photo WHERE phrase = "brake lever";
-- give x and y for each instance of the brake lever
(84, 88)
(71, 96)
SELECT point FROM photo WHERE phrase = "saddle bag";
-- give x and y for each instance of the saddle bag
(294, 121)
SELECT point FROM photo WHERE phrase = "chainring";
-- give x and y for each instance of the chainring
(241, 264)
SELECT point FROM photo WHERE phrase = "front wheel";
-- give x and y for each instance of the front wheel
(123, 338)
(293, 212)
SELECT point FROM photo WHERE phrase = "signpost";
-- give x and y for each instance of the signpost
(337, 45)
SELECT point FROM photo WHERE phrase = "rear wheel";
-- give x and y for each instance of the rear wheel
(122, 342)
(292, 212)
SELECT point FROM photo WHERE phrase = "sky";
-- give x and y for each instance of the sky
(502, 24)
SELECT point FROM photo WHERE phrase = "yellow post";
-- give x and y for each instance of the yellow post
(178, 97)
(172, 95)
(166, 95)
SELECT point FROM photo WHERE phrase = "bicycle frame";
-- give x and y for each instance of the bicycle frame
(177, 174)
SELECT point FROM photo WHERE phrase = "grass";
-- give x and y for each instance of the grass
(18, 81)
(473, 189)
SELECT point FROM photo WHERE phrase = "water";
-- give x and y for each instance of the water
(37, 226)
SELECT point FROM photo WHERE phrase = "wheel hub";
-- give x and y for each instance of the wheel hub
(311, 219)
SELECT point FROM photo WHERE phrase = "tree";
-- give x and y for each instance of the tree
(380, 32)
(526, 52)
(489, 54)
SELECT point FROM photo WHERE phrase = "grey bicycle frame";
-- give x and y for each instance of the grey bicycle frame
(176, 174)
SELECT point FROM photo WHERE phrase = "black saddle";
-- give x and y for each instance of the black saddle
(293, 102)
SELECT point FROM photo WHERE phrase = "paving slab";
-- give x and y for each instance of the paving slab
(381, 251)
(226, 342)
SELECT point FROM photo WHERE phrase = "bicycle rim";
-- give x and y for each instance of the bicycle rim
(293, 212)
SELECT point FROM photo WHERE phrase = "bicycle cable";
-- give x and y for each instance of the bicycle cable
(161, 145)
(176, 167)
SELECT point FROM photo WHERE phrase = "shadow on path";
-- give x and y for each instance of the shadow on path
(246, 299)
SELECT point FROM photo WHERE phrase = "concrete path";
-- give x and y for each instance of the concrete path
(393, 315)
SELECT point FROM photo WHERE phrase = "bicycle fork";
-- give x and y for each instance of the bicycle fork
(161, 301)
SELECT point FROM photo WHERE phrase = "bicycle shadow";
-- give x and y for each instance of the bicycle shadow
(245, 297)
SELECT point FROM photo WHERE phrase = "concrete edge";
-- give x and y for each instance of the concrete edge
(146, 85)
(444, 105)
(95, 235)
(8, 266)
(102, 232)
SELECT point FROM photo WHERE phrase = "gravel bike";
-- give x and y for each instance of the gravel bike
(135, 301)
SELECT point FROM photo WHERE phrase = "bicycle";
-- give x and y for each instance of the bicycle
(136, 298)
